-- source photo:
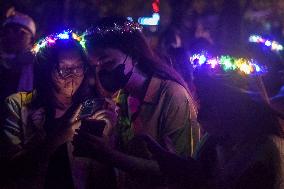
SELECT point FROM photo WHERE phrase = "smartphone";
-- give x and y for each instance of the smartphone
(93, 127)
(91, 106)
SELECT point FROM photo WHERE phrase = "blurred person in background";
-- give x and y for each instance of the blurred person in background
(17, 35)
(243, 147)
(205, 35)
(172, 50)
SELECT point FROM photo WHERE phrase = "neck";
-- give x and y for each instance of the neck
(137, 84)
(62, 101)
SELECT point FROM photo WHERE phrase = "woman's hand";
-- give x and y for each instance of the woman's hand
(75, 121)
(109, 115)
(63, 132)
(154, 147)
(88, 145)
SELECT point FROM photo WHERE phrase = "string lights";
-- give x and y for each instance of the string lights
(128, 27)
(273, 45)
(227, 63)
(155, 18)
(51, 40)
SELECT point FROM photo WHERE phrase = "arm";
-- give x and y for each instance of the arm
(99, 148)
(134, 165)
(19, 157)
(25, 159)
(179, 172)
(102, 148)
(174, 124)
(178, 113)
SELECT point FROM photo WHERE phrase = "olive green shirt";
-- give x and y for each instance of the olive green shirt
(167, 114)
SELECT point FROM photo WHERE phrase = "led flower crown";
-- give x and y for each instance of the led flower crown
(273, 45)
(127, 27)
(227, 63)
(51, 40)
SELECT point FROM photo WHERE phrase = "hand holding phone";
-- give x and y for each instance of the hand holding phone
(96, 112)
(98, 118)
(90, 107)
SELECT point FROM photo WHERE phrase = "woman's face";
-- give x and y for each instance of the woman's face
(69, 73)
(113, 69)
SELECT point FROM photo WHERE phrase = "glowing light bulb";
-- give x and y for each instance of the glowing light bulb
(64, 35)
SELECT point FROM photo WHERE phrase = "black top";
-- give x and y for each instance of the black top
(59, 172)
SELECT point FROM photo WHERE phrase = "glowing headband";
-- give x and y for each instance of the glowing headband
(128, 27)
(227, 63)
(273, 45)
(51, 40)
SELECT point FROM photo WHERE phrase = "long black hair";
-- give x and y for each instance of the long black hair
(237, 110)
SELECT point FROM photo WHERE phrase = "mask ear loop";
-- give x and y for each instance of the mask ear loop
(133, 64)
(72, 92)
(125, 59)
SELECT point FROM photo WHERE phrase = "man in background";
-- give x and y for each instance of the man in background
(17, 35)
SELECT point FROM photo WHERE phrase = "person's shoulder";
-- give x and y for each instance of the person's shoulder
(277, 142)
(19, 99)
(180, 95)
(268, 149)
(174, 89)
(172, 86)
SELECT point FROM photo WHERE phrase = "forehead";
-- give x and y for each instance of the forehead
(70, 57)
(105, 52)
(16, 27)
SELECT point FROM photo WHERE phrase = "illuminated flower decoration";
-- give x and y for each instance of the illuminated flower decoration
(227, 63)
(51, 40)
(273, 45)
(128, 27)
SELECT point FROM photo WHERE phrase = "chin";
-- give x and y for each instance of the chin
(68, 93)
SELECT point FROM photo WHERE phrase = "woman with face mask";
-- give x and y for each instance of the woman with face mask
(151, 97)
(36, 149)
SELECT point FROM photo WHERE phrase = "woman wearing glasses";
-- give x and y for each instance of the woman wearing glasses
(36, 149)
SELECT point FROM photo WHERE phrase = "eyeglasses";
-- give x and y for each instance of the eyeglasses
(67, 72)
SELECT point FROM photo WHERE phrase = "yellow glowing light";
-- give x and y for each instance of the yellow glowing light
(35, 49)
(244, 65)
(76, 37)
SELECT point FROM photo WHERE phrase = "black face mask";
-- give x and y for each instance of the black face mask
(115, 79)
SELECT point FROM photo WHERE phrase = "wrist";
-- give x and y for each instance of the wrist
(111, 156)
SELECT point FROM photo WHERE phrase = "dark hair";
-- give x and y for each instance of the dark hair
(46, 62)
(134, 44)
(236, 109)
(168, 37)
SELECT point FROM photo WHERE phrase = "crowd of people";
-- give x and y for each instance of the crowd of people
(103, 109)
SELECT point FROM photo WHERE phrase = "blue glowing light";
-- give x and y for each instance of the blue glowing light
(64, 35)
(150, 21)
(268, 43)
(130, 19)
